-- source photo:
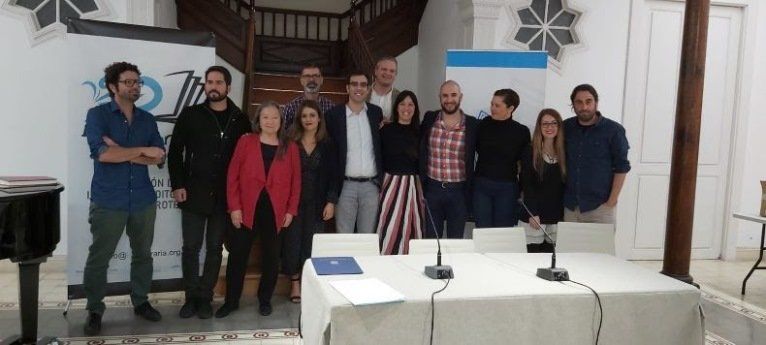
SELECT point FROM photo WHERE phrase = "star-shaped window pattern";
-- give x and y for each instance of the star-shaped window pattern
(47, 12)
(44, 17)
(547, 25)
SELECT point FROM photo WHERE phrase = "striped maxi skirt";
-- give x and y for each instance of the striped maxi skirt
(402, 213)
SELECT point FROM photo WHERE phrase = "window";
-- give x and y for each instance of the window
(547, 25)
(48, 17)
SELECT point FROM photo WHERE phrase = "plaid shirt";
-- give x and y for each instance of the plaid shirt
(446, 159)
(289, 109)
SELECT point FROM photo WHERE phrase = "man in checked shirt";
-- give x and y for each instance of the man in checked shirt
(447, 153)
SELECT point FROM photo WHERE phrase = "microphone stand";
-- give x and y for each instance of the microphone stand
(437, 271)
(552, 273)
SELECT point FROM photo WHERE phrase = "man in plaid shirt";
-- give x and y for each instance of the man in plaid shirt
(447, 153)
(311, 79)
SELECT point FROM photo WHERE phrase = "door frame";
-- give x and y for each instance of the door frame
(743, 82)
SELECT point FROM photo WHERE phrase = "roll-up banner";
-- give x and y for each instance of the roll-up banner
(481, 72)
(172, 65)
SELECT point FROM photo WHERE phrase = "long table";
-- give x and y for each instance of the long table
(497, 299)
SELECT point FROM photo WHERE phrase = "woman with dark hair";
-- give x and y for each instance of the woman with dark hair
(543, 172)
(500, 141)
(319, 190)
(263, 187)
(401, 196)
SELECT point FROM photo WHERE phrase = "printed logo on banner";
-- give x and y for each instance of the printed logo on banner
(190, 94)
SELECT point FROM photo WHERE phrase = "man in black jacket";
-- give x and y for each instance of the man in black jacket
(203, 142)
(354, 128)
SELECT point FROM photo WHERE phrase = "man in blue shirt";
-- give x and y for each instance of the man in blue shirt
(123, 141)
(596, 158)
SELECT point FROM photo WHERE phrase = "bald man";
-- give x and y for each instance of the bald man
(447, 151)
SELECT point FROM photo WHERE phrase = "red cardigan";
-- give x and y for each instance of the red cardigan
(246, 179)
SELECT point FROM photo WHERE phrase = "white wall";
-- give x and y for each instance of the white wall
(599, 62)
(440, 29)
(748, 234)
(407, 69)
(33, 121)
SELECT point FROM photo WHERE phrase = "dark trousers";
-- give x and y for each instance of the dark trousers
(297, 238)
(240, 240)
(197, 228)
(107, 227)
(446, 202)
(495, 203)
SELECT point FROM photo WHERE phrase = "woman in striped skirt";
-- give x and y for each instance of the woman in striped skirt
(401, 197)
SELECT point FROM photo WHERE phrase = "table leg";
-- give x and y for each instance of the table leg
(758, 262)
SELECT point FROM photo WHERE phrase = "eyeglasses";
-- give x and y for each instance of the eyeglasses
(549, 124)
(132, 82)
(358, 84)
(311, 76)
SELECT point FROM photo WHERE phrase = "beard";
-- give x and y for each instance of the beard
(311, 87)
(215, 96)
(449, 108)
(133, 96)
(586, 116)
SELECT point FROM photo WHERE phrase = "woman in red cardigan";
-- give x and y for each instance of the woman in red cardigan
(263, 189)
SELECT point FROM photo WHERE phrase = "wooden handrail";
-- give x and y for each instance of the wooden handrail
(233, 21)
(300, 12)
(249, 61)
(360, 53)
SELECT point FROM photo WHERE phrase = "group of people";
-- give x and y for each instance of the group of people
(373, 164)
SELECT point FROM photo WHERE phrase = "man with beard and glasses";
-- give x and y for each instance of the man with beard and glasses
(201, 147)
(447, 153)
(311, 80)
(123, 141)
(597, 160)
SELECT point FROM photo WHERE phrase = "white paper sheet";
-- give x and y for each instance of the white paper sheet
(367, 291)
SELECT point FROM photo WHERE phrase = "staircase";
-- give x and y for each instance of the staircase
(282, 88)
(270, 45)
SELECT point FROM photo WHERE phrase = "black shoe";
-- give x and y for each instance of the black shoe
(226, 309)
(92, 324)
(265, 309)
(204, 310)
(146, 311)
(189, 309)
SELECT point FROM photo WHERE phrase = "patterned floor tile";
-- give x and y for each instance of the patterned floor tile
(264, 337)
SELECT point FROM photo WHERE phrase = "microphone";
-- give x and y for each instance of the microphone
(437, 271)
(552, 273)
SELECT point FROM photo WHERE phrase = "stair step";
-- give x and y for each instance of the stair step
(284, 96)
(292, 82)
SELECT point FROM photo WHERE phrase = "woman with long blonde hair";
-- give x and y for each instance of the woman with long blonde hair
(543, 172)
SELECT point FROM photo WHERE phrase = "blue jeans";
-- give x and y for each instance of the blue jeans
(495, 203)
(446, 202)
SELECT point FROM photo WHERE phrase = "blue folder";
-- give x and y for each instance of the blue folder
(336, 265)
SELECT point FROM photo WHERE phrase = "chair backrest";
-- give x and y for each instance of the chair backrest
(500, 240)
(324, 245)
(450, 246)
(585, 238)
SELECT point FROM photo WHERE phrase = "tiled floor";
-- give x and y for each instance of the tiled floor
(730, 317)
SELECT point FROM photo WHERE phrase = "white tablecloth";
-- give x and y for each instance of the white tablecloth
(496, 299)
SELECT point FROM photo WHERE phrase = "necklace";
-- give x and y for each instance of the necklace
(221, 131)
(550, 158)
